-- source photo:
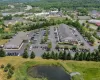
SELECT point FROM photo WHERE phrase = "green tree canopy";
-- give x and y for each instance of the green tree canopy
(32, 56)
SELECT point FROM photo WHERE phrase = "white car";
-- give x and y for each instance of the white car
(30, 48)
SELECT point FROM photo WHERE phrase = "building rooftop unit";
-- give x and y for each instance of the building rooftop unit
(16, 41)
(65, 33)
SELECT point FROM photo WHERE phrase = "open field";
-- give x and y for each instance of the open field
(88, 70)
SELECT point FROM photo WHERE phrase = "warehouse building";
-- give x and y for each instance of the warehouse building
(66, 35)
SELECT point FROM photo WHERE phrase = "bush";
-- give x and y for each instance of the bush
(9, 75)
(5, 69)
(13, 68)
(2, 66)
(11, 71)
(9, 65)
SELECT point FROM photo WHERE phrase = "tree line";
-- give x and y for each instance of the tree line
(70, 4)
(26, 54)
(94, 56)
(67, 21)
(79, 56)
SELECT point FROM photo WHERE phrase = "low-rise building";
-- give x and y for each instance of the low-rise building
(66, 35)
(17, 41)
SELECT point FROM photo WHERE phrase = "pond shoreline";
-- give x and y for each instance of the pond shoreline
(45, 70)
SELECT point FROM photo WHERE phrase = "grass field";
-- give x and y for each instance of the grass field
(88, 70)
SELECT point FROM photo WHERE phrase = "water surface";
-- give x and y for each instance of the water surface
(49, 72)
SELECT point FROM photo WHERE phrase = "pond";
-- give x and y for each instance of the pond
(49, 72)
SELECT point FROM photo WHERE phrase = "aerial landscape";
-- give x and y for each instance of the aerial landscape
(49, 39)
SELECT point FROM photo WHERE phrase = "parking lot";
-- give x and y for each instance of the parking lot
(39, 49)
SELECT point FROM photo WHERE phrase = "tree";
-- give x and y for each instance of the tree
(83, 24)
(69, 56)
(57, 46)
(42, 41)
(52, 55)
(74, 47)
(56, 56)
(8, 65)
(2, 53)
(49, 45)
(6, 69)
(25, 54)
(11, 71)
(99, 47)
(97, 55)
(98, 28)
(76, 56)
(92, 40)
(81, 56)
(86, 21)
(32, 56)
(84, 56)
(88, 58)
(9, 17)
(64, 55)
(60, 55)
(44, 55)
(87, 25)
(48, 55)
(93, 56)
(9, 75)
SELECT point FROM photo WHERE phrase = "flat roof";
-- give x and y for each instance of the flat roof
(84, 17)
(16, 41)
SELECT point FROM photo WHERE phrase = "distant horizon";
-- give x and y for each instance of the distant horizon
(18, 1)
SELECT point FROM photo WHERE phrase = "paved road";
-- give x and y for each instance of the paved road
(85, 42)
(52, 37)
(38, 51)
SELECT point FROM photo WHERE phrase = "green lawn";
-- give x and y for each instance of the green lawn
(88, 70)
